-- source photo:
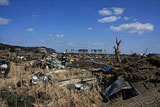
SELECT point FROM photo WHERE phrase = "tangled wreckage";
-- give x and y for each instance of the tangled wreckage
(133, 81)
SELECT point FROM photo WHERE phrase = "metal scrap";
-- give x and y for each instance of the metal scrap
(4, 67)
(117, 86)
(41, 77)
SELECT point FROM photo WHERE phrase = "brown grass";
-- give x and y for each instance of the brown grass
(3, 103)
(59, 96)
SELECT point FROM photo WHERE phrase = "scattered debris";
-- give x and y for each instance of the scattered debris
(119, 77)
(41, 77)
(76, 80)
(4, 67)
(78, 86)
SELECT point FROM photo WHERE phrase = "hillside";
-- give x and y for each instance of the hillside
(13, 48)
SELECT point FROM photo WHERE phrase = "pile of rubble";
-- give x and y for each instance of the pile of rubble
(48, 63)
(134, 76)
(130, 78)
(126, 80)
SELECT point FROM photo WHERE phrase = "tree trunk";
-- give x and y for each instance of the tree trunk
(117, 52)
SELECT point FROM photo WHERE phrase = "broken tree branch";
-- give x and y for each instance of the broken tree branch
(117, 52)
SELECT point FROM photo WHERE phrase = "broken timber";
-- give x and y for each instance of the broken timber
(76, 80)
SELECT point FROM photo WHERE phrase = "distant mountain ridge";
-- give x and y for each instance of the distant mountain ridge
(21, 48)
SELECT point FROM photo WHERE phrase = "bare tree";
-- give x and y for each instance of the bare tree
(95, 51)
(92, 50)
(117, 52)
(99, 51)
(72, 50)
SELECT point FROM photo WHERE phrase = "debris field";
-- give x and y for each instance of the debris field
(39, 80)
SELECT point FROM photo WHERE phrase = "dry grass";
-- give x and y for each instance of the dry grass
(3, 103)
(59, 96)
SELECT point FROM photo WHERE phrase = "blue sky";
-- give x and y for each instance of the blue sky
(88, 24)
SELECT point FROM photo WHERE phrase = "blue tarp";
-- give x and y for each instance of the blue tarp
(107, 68)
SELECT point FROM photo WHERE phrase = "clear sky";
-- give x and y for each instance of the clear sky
(88, 24)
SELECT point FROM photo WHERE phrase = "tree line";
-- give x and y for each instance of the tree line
(96, 51)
